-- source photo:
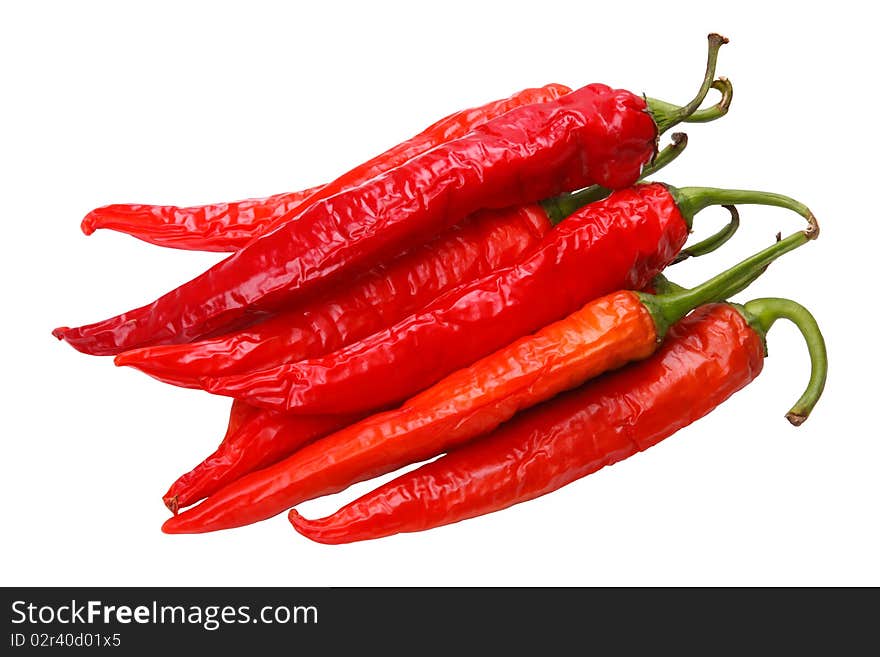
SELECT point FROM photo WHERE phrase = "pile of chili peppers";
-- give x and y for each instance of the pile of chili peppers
(490, 291)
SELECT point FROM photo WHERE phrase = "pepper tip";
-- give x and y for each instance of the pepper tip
(172, 503)
(87, 225)
(301, 524)
(169, 526)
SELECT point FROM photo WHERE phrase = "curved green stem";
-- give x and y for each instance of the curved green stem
(678, 142)
(761, 315)
(560, 207)
(666, 309)
(690, 200)
(716, 111)
(667, 115)
(720, 108)
(712, 242)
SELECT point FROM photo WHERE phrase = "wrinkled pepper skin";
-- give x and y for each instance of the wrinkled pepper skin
(378, 299)
(705, 359)
(230, 226)
(383, 296)
(621, 242)
(603, 335)
(595, 135)
(258, 439)
(218, 227)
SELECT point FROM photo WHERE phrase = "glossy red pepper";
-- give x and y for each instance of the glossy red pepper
(259, 438)
(239, 415)
(706, 358)
(485, 242)
(275, 436)
(383, 296)
(621, 242)
(230, 226)
(603, 335)
(272, 436)
(595, 135)
(217, 227)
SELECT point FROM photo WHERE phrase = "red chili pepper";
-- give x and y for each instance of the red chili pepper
(706, 358)
(621, 242)
(603, 335)
(595, 135)
(240, 415)
(383, 296)
(230, 226)
(261, 439)
(275, 436)
(272, 436)
(485, 242)
(216, 227)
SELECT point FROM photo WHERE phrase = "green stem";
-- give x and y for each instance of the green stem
(716, 111)
(744, 281)
(663, 285)
(712, 242)
(678, 142)
(666, 309)
(667, 115)
(720, 108)
(761, 315)
(560, 207)
(690, 200)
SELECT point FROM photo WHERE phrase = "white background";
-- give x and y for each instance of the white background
(189, 103)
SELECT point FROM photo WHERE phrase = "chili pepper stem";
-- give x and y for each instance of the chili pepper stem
(716, 111)
(719, 109)
(667, 309)
(691, 200)
(667, 115)
(679, 142)
(713, 242)
(663, 285)
(560, 207)
(762, 314)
